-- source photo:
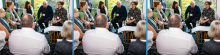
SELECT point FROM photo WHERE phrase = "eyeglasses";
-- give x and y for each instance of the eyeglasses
(58, 4)
(132, 4)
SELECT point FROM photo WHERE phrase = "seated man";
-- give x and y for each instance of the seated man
(26, 41)
(100, 41)
(174, 41)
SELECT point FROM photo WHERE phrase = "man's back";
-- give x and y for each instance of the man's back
(101, 42)
(174, 41)
(26, 41)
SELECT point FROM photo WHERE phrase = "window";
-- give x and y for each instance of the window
(169, 4)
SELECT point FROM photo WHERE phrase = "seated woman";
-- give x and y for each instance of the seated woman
(86, 16)
(139, 46)
(159, 16)
(65, 46)
(134, 14)
(212, 47)
(102, 9)
(151, 21)
(11, 16)
(77, 21)
(2, 39)
(208, 14)
(28, 9)
(4, 26)
(175, 9)
(60, 15)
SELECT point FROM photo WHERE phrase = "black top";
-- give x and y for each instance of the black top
(102, 11)
(176, 11)
(137, 48)
(29, 11)
(64, 47)
(211, 47)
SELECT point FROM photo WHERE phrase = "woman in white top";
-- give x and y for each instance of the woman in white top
(28, 9)
(175, 9)
(102, 9)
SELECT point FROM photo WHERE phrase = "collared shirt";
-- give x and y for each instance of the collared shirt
(61, 14)
(134, 14)
(100, 41)
(26, 41)
(2, 39)
(150, 39)
(76, 39)
(208, 14)
(174, 41)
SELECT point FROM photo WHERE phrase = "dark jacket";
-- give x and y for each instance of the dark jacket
(47, 11)
(137, 48)
(121, 11)
(64, 47)
(211, 47)
(195, 11)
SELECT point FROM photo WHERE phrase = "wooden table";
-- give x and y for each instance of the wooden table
(54, 33)
(202, 33)
(128, 33)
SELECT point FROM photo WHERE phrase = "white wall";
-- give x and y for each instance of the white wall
(1, 4)
(218, 7)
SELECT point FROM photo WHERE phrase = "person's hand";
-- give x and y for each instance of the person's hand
(54, 22)
(86, 23)
(91, 23)
(49, 21)
(17, 23)
(91, 8)
(12, 23)
(128, 22)
(197, 21)
(160, 23)
(165, 8)
(165, 23)
(123, 22)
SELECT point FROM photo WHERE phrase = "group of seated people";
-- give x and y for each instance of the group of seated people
(95, 38)
(21, 38)
(171, 40)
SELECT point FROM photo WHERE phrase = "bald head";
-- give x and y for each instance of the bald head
(174, 21)
(27, 21)
(101, 21)
(192, 4)
(118, 4)
(45, 4)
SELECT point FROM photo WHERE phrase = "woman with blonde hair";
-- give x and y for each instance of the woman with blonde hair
(212, 47)
(12, 16)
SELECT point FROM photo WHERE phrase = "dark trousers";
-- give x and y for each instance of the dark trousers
(191, 20)
(131, 24)
(43, 20)
(58, 24)
(117, 20)
(205, 24)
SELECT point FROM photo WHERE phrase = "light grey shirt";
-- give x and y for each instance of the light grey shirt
(2, 39)
(26, 41)
(174, 41)
(100, 41)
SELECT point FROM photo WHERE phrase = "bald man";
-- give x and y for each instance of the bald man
(194, 15)
(120, 13)
(46, 12)
(106, 42)
(26, 41)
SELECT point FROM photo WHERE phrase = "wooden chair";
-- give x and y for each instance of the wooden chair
(201, 35)
(54, 35)
(127, 35)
